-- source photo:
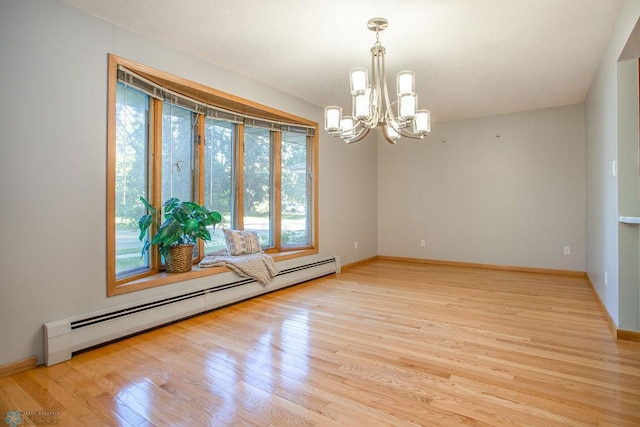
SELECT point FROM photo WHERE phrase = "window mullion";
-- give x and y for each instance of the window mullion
(239, 170)
(276, 155)
(156, 171)
(199, 178)
(312, 199)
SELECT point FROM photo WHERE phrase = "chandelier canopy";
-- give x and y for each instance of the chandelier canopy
(371, 104)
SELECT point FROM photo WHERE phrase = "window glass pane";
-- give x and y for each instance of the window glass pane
(177, 152)
(218, 183)
(257, 183)
(295, 190)
(132, 108)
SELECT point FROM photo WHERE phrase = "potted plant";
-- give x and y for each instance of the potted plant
(184, 223)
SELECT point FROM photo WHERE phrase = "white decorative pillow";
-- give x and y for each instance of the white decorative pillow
(242, 242)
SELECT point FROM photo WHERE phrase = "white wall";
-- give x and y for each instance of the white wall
(503, 190)
(601, 116)
(53, 71)
(628, 196)
(350, 195)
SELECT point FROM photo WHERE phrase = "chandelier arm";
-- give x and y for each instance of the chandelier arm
(370, 123)
(343, 132)
(357, 129)
(402, 131)
(385, 133)
(409, 134)
(360, 135)
(372, 92)
(387, 103)
(377, 64)
(401, 128)
(402, 123)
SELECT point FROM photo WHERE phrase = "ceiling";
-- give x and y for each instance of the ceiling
(472, 58)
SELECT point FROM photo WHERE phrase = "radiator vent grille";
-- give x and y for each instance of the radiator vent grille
(166, 301)
(65, 336)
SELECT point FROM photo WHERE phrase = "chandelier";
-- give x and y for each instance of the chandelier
(371, 105)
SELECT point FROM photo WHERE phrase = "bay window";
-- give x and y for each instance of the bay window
(169, 137)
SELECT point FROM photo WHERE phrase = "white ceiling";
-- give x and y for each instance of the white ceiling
(472, 58)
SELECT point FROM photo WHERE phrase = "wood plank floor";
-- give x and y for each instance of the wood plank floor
(383, 344)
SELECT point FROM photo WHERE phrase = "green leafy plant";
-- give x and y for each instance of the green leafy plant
(184, 223)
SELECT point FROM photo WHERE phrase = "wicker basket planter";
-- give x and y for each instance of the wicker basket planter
(174, 230)
(180, 259)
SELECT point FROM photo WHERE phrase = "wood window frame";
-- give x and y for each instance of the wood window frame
(153, 277)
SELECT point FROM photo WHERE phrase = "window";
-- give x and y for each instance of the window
(218, 177)
(168, 137)
(132, 128)
(295, 190)
(258, 181)
(177, 153)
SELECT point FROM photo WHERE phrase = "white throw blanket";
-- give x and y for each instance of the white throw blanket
(259, 266)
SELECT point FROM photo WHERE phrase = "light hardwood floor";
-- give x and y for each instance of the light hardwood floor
(384, 343)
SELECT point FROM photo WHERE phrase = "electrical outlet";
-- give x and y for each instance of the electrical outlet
(423, 243)
(355, 245)
(567, 250)
(605, 279)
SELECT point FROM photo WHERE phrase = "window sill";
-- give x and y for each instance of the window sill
(163, 278)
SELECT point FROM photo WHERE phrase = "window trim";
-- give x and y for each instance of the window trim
(152, 278)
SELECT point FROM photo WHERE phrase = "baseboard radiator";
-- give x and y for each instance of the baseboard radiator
(64, 337)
